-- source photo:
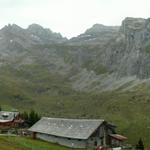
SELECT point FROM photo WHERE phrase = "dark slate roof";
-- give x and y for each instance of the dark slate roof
(6, 116)
(69, 128)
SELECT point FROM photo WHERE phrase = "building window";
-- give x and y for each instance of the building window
(95, 143)
(79, 140)
(102, 141)
(69, 138)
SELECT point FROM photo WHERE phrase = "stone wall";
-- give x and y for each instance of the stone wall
(62, 141)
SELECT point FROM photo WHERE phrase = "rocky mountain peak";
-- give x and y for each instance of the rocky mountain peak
(12, 28)
(37, 29)
(136, 32)
(98, 33)
(102, 28)
(132, 24)
(44, 34)
(36, 26)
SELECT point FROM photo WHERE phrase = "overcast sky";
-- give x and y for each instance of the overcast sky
(70, 17)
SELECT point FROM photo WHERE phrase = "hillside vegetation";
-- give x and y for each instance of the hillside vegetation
(20, 143)
(50, 96)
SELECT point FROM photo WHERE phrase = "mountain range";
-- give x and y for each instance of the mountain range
(102, 73)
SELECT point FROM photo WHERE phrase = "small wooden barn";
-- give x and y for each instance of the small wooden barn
(10, 119)
(77, 133)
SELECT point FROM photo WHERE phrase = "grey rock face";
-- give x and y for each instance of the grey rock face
(136, 36)
(135, 32)
(119, 58)
(102, 58)
(98, 33)
(17, 44)
(40, 34)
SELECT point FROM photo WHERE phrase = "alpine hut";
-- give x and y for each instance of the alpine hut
(76, 133)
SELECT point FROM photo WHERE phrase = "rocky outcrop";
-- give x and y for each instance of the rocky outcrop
(135, 34)
(44, 35)
(126, 55)
(102, 58)
(33, 35)
(96, 34)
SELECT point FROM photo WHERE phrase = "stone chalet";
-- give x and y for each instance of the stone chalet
(77, 133)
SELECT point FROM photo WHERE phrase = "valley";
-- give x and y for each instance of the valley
(103, 74)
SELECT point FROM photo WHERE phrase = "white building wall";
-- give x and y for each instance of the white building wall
(62, 141)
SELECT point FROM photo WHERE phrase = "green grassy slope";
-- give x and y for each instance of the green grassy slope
(49, 94)
(21, 143)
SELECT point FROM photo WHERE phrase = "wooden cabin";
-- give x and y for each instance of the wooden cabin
(10, 119)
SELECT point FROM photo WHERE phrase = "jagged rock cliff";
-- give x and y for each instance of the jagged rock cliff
(123, 58)
(95, 35)
(103, 58)
(135, 36)
(43, 35)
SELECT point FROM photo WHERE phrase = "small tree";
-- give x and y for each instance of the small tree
(140, 145)
(33, 117)
(25, 116)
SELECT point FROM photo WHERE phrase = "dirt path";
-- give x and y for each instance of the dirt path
(8, 135)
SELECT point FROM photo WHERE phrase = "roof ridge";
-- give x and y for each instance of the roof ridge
(73, 119)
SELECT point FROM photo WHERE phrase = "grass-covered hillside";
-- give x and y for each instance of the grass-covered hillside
(20, 143)
(50, 95)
